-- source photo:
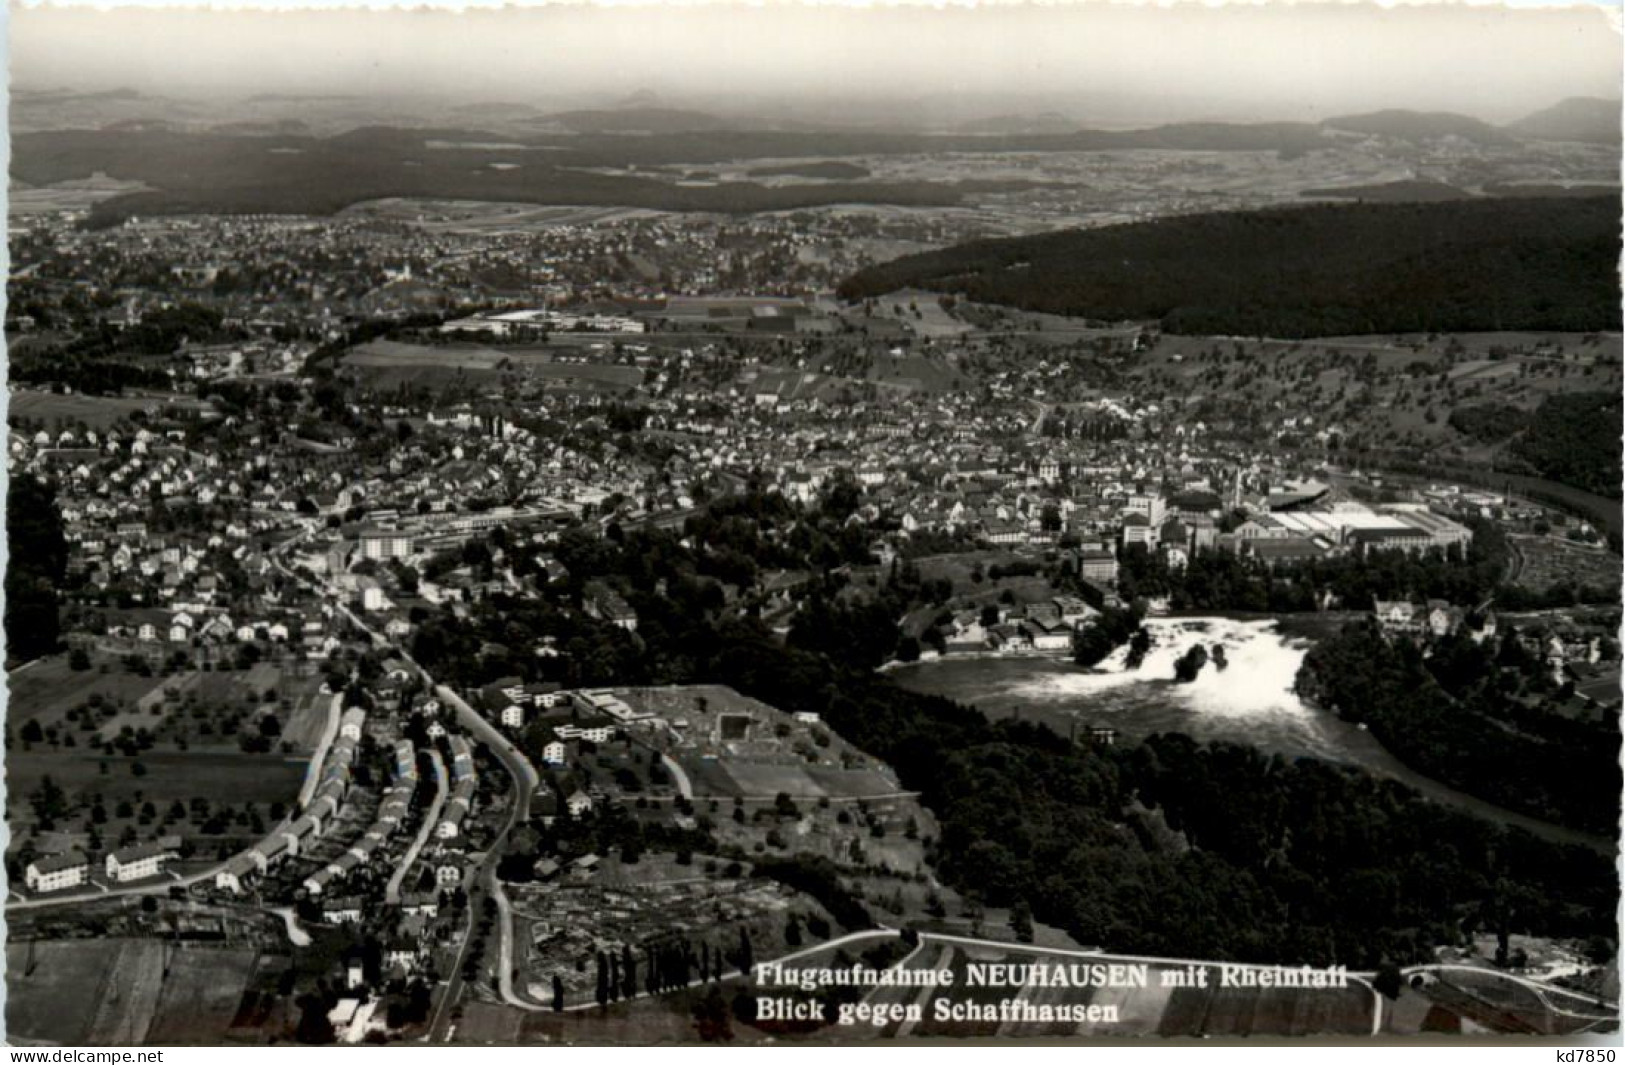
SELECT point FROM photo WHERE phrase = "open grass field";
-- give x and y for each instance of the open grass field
(53, 989)
(219, 775)
(98, 412)
(122, 992)
(200, 995)
(755, 780)
(394, 353)
(605, 375)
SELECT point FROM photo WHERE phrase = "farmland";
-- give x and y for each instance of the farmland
(97, 412)
(388, 364)
(131, 757)
(122, 991)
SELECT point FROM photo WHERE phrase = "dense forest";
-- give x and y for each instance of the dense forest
(1327, 270)
(1574, 438)
(37, 560)
(1168, 847)
(1472, 716)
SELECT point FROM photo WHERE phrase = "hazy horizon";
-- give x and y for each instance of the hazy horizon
(1093, 63)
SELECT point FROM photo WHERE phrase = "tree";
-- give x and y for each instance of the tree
(558, 994)
(1021, 921)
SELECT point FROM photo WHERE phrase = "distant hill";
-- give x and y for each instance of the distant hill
(494, 110)
(1324, 270)
(285, 127)
(1419, 126)
(1579, 118)
(1047, 122)
(634, 120)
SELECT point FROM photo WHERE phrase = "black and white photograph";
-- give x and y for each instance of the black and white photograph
(802, 524)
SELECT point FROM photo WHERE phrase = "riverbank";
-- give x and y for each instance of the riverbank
(1250, 702)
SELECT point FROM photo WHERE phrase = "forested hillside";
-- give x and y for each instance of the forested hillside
(1574, 439)
(1327, 270)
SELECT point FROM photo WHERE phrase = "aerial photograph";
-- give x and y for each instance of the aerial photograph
(775, 524)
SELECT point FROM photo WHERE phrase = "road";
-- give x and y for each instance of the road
(525, 781)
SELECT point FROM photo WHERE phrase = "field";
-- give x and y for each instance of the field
(122, 992)
(98, 412)
(758, 781)
(386, 363)
(48, 689)
(122, 750)
(238, 793)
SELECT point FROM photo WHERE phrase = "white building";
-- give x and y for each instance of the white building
(57, 872)
(137, 863)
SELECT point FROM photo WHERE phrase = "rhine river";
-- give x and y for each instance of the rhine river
(1250, 702)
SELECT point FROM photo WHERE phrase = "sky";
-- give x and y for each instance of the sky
(1092, 61)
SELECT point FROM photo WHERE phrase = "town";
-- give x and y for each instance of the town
(442, 620)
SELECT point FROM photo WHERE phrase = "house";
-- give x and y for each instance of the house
(513, 716)
(345, 910)
(1098, 567)
(420, 905)
(1138, 530)
(1442, 618)
(385, 543)
(137, 863)
(402, 954)
(462, 758)
(1048, 637)
(553, 749)
(350, 724)
(1396, 617)
(456, 809)
(57, 872)
(235, 873)
(578, 803)
(605, 604)
(406, 761)
(1071, 610)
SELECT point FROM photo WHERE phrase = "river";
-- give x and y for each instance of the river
(1250, 702)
